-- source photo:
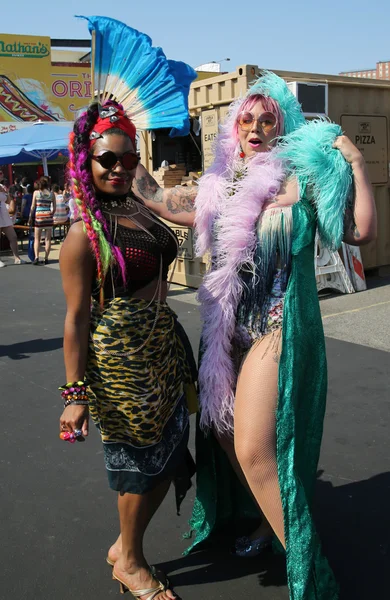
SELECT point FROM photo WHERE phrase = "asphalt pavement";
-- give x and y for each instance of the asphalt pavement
(58, 516)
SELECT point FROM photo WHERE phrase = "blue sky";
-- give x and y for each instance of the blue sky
(324, 37)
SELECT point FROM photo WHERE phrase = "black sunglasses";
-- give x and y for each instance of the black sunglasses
(108, 160)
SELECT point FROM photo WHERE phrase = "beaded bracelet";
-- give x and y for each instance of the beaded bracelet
(74, 393)
(76, 403)
(71, 386)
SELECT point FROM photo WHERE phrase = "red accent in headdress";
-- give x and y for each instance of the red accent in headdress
(111, 117)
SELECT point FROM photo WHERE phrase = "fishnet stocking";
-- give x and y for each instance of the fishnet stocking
(227, 445)
(255, 427)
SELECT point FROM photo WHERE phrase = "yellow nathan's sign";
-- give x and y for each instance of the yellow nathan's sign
(23, 49)
(32, 88)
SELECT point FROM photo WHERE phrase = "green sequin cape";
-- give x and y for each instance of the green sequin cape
(221, 499)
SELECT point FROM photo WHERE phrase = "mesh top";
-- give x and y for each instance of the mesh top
(142, 256)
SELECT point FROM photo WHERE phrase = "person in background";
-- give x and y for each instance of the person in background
(61, 214)
(15, 195)
(24, 183)
(6, 224)
(73, 213)
(26, 203)
(44, 206)
(67, 192)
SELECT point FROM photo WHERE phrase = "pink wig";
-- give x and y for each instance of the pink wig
(269, 105)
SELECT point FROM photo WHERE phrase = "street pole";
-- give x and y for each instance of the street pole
(10, 175)
(44, 162)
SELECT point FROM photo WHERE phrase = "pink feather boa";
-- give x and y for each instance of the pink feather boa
(232, 209)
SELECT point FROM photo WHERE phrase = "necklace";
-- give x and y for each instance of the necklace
(117, 202)
(143, 211)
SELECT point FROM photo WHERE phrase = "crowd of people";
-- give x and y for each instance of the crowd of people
(40, 205)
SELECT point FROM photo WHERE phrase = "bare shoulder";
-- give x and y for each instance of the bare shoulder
(76, 247)
(76, 232)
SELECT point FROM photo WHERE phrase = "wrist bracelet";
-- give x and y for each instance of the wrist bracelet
(74, 393)
(76, 402)
(73, 386)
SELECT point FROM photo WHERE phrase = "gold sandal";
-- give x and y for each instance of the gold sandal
(138, 593)
(156, 573)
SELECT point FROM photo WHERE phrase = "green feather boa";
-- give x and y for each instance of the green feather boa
(309, 154)
(307, 149)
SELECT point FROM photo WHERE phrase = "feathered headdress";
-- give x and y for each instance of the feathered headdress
(134, 87)
(126, 68)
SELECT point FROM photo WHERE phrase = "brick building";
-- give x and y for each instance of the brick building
(382, 71)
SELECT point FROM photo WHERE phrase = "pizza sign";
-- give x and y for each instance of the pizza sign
(369, 134)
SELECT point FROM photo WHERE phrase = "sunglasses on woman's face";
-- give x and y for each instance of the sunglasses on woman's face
(108, 160)
(266, 121)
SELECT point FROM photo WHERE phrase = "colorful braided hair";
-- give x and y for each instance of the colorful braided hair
(80, 175)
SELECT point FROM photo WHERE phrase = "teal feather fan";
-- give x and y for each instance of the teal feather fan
(128, 69)
(309, 153)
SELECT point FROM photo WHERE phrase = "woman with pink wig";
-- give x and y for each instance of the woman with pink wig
(274, 182)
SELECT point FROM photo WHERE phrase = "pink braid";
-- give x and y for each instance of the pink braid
(90, 200)
(80, 201)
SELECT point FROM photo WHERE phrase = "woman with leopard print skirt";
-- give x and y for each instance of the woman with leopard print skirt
(135, 357)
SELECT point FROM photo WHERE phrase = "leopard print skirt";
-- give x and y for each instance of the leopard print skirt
(139, 390)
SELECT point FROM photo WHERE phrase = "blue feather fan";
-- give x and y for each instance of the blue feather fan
(127, 68)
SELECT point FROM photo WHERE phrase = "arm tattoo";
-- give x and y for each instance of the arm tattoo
(181, 199)
(149, 188)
